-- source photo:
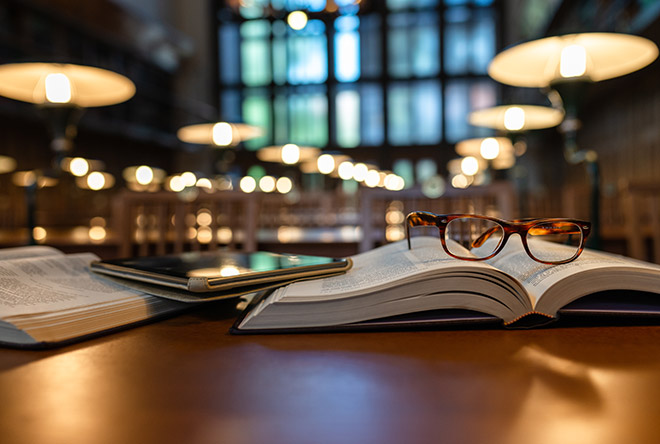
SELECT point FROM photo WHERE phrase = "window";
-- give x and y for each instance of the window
(397, 74)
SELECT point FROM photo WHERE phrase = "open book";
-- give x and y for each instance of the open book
(393, 285)
(47, 297)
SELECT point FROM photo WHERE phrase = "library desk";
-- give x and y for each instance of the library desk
(185, 379)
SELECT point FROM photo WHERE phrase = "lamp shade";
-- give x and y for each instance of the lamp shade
(475, 147)
(517, 117)
(84, 86)
(289, 154)
(7, 164)
(219, 134)
(604, 56)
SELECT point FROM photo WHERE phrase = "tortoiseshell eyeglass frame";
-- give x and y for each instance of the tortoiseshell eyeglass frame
(519, 226)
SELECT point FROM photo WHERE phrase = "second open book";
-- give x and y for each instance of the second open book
(393, 284)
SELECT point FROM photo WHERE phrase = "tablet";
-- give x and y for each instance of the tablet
(215, 271)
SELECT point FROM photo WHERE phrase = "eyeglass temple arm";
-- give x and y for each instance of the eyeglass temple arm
(478, 242)
(418, 219)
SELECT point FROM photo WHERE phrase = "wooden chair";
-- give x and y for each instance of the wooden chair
(160, 223)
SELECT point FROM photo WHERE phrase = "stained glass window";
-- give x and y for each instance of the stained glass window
(396, 74)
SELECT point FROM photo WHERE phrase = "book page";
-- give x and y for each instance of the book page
(538, 278)
(28, 251)
(54, 282)
(380, 268)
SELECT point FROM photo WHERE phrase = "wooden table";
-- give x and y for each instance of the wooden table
(186, 380)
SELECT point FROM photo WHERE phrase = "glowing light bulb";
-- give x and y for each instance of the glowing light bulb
(204, 183)
(144, 175)
(372, 178)
(290, 154)
(96, 181)
(284, 185)
(58, 88)
(325, 164)
(189, 179)
(514, 118)
(470, 166)
(78, 166)
(490, 148)
(267, 184)
(360, 171)
(345, 170)
(177, 184)
(248, 184)
(460, 181)
(573, 62)
(223, 134)
(297, 20)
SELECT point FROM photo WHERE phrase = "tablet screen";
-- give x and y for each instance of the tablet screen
(219, 264)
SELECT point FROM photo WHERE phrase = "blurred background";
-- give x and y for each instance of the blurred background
(314, 126)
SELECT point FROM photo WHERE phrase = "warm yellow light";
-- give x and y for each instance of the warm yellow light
(360, 171)
(144, 175)
(267, 184)
(287, 234)
(222, 134)
(204, 235)
(229, 270)
(78, 166)
(345, 170)
(394, 182)
(325, 164)
(394, 233)
(248, 184)
(204, 218)
(514, 118)
(7, 164)
(290, 153)
(205, 183)
(517, 117)
(372, 178)
(219, 134)
(39, 233)
(284, 185)
(490, 148)
(394, 217)
(177, 184)
(189, 179)
(96, 181)
(470, 165)
(84, 86)
(297, 20)
(602, 56)
(58, 88)
(460, 181)
(224, 235)
(573, 61)
(97, 234)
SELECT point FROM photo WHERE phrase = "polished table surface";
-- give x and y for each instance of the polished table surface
(185, 379)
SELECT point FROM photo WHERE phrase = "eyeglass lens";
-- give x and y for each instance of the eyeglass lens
(568, 234)
(467, 237)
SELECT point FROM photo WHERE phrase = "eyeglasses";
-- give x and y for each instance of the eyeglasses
(476, 238)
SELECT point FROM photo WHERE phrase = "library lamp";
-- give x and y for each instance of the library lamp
(517, 118)
(219, 134)
(289, 154)
(61, 91)
(569, 64)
